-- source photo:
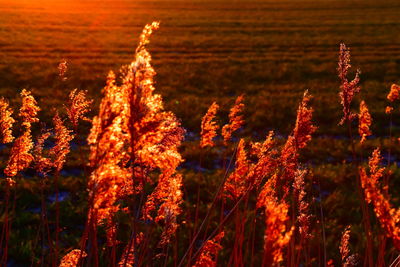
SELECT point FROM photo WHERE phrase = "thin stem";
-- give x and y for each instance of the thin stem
(209, 211)
(322, 221)
(364, 207)
(57, 174)
(196, 216)
(395, 262)
(4, 232)
(221, 223)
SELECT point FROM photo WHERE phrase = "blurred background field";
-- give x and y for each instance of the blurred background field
(209, 51)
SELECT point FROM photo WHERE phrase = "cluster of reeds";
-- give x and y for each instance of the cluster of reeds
(138, 209)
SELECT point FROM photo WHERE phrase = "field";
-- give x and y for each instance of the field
(206, 50)
(271, 51)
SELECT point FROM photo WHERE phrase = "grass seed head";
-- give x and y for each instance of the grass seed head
(6, 122)
(29, 109)
(72, 258)
(209, 127)
(364, 122)
(78, 107)
(209, 252)
(235, 120)
(348, 89)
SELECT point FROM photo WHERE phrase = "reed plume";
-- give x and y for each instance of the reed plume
(290, 171)
(78, 107)
(265, 164)
(348, 89)
(236, 184)
(259, 149)
(388, 109)
(347, 92)
(144, 38)
(209, 127)
(58, 153)
(364, 122)
(304, 127)
(344, 244)
(43, 162)
(209, 252)
(110, 180)
(155, 137)
(62, 70)
(387, 216)
(299, 138)
(167, 196)
(6, 122)
(235, 120)
(72, 258)
(347, 259)
(21, 157)
(128, 256)
(304, 216)
(394, 93)
(63, 137)
(29, 109)
(277, 235)
(132, 136)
